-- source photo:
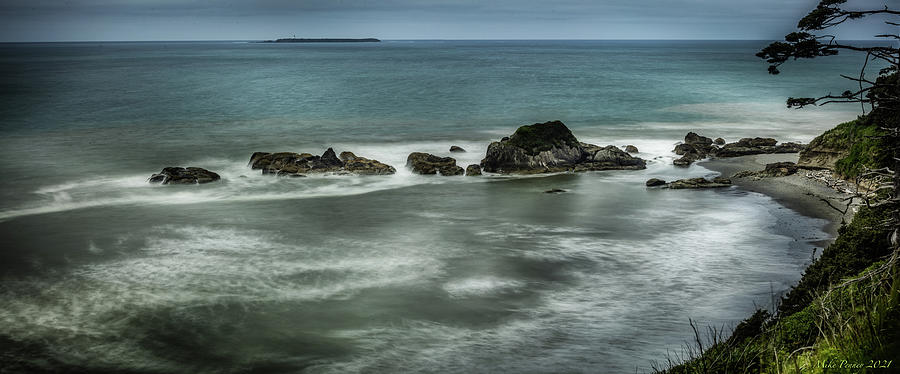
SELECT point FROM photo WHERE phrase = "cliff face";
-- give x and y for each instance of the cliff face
(847, 149)
(821, 155)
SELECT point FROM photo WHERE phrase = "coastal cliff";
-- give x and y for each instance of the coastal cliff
(844, 313)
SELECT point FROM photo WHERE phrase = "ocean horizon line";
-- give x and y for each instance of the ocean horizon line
(409, 40)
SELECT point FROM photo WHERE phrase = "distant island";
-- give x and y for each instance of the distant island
(303, 40)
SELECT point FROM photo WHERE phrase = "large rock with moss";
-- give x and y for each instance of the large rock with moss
(551, 147)
(180, 175)
(296, 164)
(426, 163)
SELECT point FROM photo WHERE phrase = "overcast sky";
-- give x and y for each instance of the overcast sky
(70, 20)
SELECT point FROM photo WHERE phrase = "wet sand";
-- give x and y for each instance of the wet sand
(796, 192)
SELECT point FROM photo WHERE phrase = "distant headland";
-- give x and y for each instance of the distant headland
(304, 40)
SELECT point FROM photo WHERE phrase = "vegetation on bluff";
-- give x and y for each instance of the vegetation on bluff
(845, 308)
(861, 142)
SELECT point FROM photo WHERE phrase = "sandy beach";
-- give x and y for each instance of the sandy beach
(797, 192)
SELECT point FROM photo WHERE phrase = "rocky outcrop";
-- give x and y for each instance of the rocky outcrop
(551, 147)
(300, 164)
(555, 190)
(778, 169)
(456, 148)
(364, 166)
(756, 146)
(180, 175)
(653, 182)
(426, 163)
(696, 147)
(631, 149)
(716, 182)
(473, 170)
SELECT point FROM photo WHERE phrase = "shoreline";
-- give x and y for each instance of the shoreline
(795, 192)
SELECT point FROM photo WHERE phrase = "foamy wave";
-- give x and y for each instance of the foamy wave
(189, 267)
(480, 286)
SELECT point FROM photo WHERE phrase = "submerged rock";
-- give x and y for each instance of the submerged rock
(555, 190)
(631, 149)
(716, 182)
(473, 170)
(180, 175)
(299, 164)
(455, 148)
(653, 182)
(426, 163)
(551, 147)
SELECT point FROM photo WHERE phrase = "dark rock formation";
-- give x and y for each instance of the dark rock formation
(426, 163)
(789, 147)
(748, 146)
(700, 183)
(180, 175)
(364, 166)
(555, 190)
(781, 169)
(456, 148)
(631, 149)
(551, 147)
(473, 170)
(653, 182)
(778, 169)
(694, 138)
(696, 147)
(299, 164)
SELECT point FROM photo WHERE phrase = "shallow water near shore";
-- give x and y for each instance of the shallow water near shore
(400, 273)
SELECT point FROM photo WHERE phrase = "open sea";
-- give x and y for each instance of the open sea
(101, 271)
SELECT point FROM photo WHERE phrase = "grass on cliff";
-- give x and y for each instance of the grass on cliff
(845, 311)
(860, 138)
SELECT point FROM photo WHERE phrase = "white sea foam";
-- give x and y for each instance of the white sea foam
(196, 266)
(480, 286)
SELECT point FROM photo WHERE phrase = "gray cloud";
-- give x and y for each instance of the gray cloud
(24, 20)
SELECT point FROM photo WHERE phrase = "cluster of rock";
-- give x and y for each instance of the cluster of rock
(538, 148)
(180, 175)
(697, 147)
(778, 169)
(551, 147)
(300, 164)
(716, 182)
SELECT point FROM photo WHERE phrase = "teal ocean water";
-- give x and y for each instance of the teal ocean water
(102, 271)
